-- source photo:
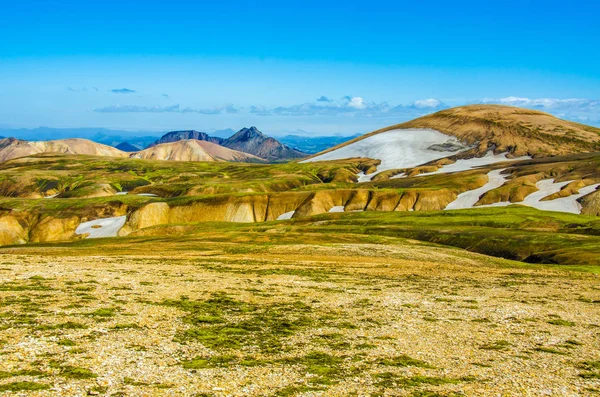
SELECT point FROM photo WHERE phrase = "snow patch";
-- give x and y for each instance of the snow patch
(469, 198)
(402, 148)
(467, 164)
(547, 187)
(106, 227)
(337, 208)
(362, 177)
(286, 215)
(563, 204)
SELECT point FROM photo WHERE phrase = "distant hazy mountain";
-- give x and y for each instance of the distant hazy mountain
(144, 139)
(251, 140)
(127, 147)
(175, 136)
(314, 144)
(100, 135)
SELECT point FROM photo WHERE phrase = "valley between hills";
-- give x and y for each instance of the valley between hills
(455, 254)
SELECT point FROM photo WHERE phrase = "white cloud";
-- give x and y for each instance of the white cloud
(351, 106)
(426, 103)
(576, 109)
(357, 103)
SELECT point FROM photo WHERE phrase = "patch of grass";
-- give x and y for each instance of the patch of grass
(69, 325)
(560, 321)
(118, 327)
(592, 369)
(132, 382)
(392, 380)
(99, 389)
(326, 367)
(365, 346)
(21, 372)
(432, 380)
(590, 365)
(430, 393)
(403, 361)
(589, 375)
(289, 391)
(550, 350)
(482, 365)
(66, 342)
(103, 312)
(210, 362)
(498, 345)
(24, 386)
(73, 372)
(265, 326)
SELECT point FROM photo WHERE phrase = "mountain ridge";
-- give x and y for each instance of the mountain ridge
(252, 140)
(174, 136)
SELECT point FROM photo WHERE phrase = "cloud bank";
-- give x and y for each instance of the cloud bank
(166, 109)
(576, 109)
(351, 106)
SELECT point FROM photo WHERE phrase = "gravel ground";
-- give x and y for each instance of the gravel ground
(306, 320)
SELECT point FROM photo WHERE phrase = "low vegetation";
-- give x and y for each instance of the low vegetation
(231, 308)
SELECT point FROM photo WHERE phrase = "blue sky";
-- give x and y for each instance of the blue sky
(157, 65)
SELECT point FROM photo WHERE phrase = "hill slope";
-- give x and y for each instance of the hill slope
(12, 148)
(194, 150)
(251, 140)
(517, 131)
(467, 136)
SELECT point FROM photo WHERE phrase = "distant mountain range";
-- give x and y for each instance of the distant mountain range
(130, 141)
(247, 140)
(314, 144)
(140, 139)
(248, 144)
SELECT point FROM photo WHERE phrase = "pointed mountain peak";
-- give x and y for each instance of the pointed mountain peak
(250, 133)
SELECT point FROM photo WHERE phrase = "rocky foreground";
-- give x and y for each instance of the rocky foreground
(192, 317)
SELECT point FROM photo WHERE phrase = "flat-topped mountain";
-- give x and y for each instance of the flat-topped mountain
(175, 136)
